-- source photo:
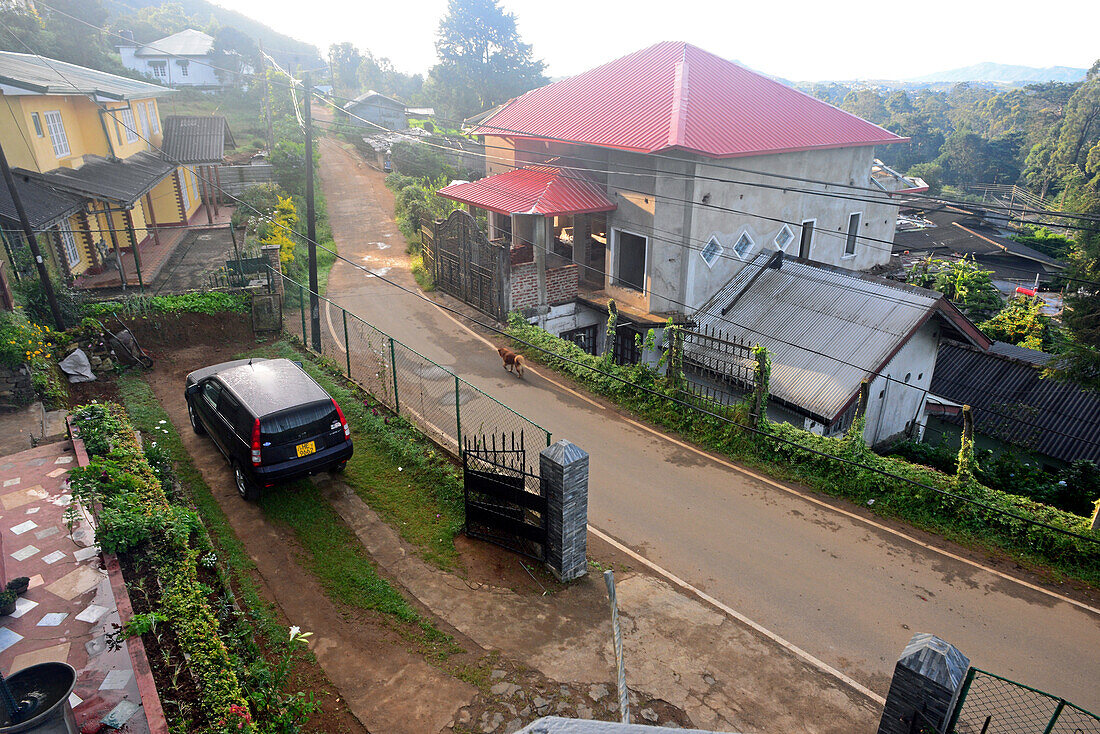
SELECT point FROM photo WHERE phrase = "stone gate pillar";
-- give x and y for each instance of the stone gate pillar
(926, 680)
(563, 470)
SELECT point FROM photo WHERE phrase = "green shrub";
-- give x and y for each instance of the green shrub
(206, 302)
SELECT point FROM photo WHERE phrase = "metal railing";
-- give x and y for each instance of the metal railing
(447, 408)
(990, 704)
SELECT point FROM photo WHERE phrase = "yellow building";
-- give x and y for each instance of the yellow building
(75, 131)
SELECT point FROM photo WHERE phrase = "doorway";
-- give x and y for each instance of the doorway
(630, 253)
(807, 238)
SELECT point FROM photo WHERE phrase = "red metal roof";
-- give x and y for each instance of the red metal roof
(544, 190)
(678, 96)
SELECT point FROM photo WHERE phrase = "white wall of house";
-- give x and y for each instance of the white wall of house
(894, 405)
(169, 70)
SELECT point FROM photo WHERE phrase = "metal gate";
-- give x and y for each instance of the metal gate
(465, 264)
(990, 704)
(505, 503)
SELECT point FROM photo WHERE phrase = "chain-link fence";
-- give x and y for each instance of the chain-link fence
(990, 704)
(445, 407)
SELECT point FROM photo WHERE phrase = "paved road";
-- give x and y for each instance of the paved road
(846, 589)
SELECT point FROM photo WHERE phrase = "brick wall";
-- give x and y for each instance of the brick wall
(561, 285)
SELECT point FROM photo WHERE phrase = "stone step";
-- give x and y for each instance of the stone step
(54, 426)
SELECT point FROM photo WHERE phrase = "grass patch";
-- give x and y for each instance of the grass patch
(401, 475)
(422, 275)
(149, 417)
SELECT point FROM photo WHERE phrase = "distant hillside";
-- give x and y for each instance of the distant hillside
(288, 51)
(1004, 73)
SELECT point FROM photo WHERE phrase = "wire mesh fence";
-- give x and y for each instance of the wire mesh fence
(447, 408)
(990, 704)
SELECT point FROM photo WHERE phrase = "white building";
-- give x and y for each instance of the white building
(183, 59)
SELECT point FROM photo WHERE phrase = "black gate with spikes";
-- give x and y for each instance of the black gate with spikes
(505, 503)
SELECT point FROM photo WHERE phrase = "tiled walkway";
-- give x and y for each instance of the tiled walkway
(70, 605)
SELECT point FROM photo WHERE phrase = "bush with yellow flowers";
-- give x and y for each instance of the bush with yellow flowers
(23, 341)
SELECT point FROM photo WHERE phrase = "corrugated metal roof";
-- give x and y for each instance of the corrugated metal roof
(1032, 356)
(44, 205)
(376, 98)
(118, 181)
(541, 190)
(48, 76)
(196, 138)
(816, 322)
(188, 42)
(678, 96)
(1012, 402)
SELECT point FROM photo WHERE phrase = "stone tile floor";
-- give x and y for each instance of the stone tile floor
(70, 606)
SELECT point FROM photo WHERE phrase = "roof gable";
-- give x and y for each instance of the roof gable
(678, 96)
(188, 42)
(542, 190)
(196, 138)
(39, 75)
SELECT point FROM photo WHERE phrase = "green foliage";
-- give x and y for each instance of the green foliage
(32, 295)
(790, 453)
(1045, 241)
(24, 342)
(64, 31)
(280, 232)
(962, 282)
(1023, 323)
(141, 624)
(256, 205)
(761, 376)
(206, 302)
(415, 200)
(420, 161)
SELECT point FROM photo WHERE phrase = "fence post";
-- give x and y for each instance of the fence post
(617, 638)
(563, 478)
(928, 680)
(393, 369)
(302, 306)
(458, 416)
(960, 699)
(347, 344)
(1055, 715)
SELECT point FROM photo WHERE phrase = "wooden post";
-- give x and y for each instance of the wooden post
(114, 243)
(129, 217)
(212, 171)
(204, 198)
(7, 301)
(151, 217)
(864, 396)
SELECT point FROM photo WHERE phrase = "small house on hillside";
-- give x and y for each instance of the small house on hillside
(183, 59)
(686, 153)
(827, 329)
(373, 110)
(1012, 404)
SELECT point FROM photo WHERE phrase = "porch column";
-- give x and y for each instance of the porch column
(151, 217)
(114, 243)
(203, 197)
(89, 240)
(541, 244)
(129, 217)
(62, 257)
(581, 244)
(214, 189)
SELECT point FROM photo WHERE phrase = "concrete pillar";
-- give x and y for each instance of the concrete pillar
(271, 254)
(926, 681)
(563, 469)
(541, 246)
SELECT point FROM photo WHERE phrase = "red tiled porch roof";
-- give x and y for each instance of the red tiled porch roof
(544, 190)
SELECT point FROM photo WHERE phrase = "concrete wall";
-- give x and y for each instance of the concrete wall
(236, 179)
(199, 72)
(379, 112)
(893, 405)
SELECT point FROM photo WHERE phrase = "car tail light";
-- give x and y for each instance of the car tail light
(343, 420)
(256, 443)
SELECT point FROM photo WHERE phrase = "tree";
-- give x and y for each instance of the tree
(279, 234)
(867, 103)
(63, 32)
(1023, 323)
(344, 60)
(482, 60)
(962, 282)
(236, 52)
(153, 22)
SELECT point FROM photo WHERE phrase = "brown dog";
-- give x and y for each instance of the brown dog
(512, 360)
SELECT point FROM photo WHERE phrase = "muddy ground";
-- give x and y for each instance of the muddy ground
(532, 647)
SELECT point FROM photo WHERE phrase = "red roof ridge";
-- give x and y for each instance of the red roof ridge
(677, 129)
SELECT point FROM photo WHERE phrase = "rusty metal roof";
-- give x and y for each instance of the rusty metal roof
(826, 328)
(1013, 402)
(677, 96)
(545, 190)
(196, 138)
(44, 205)
(117, 181)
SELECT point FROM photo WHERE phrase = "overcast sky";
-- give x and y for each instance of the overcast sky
(798, 40)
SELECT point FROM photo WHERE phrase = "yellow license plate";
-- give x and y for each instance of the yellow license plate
(305, 449)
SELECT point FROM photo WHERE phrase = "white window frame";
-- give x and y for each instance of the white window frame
(36, 121)
(184, 66)
(852, 237)
(143, 118)
(58, 139)
(72, 251)
(616, 252)
(182, 181)
(160, 69)
(790, 235)
(719, 250)
(154, 121)
(813, 236)
(126, 115)
(748, 251)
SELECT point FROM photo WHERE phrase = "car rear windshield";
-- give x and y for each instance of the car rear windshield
(299, 423)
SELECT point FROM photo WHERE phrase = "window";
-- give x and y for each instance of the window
(807, 239)
(630, 260)
(153, 119)
(210, 393)
(712, 251)
(160, 69)
(37, 124)
(72, 253)
(744, 245)
(184, 65)
(584, 337)
(183, 189)
(58, 138)
(784, 237)
(127, 116)
(853, 233)
(143, 117)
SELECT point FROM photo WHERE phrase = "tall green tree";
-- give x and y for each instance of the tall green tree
(1023, 323)
(962, 282)
(482, 59)
(344, 60)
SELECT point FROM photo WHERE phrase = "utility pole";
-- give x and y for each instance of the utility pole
(267, 99)
(32, 242)
(311, 221)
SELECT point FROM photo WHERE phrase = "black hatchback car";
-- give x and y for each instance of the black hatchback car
(272, 421)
